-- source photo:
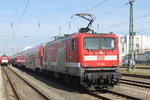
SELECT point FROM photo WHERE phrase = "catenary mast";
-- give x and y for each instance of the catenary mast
(131, 57)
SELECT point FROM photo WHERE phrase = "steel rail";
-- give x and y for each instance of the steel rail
(137, 76)
(111, 92)
(138, 67)
(46, 98)
(98, 96)
(136, 83)
(12, 85)
(122, 95)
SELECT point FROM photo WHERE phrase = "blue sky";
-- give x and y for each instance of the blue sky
(43, 19)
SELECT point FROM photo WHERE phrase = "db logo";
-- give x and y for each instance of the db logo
(100, 57)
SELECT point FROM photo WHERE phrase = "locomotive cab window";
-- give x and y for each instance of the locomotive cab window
(4, 58)
(108, 43)
(73, 44)
(99, 43)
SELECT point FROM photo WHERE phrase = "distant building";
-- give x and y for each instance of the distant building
(141, 45)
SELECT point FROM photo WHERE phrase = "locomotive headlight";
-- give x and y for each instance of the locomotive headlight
(85, 65)
(100, 52)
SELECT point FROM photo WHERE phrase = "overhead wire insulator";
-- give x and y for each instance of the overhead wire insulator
(39, 25)
(69, 26)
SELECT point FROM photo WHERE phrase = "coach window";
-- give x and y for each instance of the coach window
(73, 44)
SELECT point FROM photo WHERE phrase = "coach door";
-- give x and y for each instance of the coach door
(67, 53)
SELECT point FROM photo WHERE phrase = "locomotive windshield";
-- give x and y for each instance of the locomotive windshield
(4, 57)
(99, 43)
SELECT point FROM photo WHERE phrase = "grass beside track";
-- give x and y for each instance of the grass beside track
(135, 71)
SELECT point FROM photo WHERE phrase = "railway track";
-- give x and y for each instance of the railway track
(138, 67)
(135, 83)
(21, 88)
(107, 94)
(137, 76)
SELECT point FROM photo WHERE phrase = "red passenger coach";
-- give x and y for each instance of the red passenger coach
(30, 58)
(18, 60)
(34, 57)
(4, 60)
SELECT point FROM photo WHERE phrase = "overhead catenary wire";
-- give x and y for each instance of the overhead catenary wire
(41, 24)
(13, 20)
(136, 19)
(115, 9)
(77, 17)
(142, 30)
(39, 21)
(123, 23)
(117, 25)
(59, 11)
(22, 15)
(11, 24)
(144, 16)
(20, 21)
(103, 15)
(95, 6)
(16, 11)
(109, 12)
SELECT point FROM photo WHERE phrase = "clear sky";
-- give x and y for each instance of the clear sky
(32, 22)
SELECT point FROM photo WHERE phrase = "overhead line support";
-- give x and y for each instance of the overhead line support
(131, 58)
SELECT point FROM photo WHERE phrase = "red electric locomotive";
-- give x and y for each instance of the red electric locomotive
(4, 60)
(91, 59)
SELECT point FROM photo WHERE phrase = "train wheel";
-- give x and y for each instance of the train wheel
(67, 80)
(76, 82)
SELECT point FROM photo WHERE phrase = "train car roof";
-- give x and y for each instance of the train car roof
(68, 36)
